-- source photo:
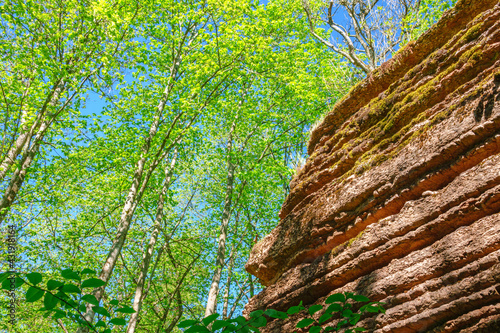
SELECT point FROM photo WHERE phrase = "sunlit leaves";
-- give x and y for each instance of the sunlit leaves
(34, 294)
(93, 283)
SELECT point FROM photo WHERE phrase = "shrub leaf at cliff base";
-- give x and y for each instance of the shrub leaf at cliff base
(335, 307)
(324, 317)
(315, 308)
(276, 314)
(360, 298)
(259, 322)
(295, 309)
(335, 298)
(315, 329)
(305, 322)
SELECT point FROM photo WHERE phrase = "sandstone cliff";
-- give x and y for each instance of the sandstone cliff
(400, 197)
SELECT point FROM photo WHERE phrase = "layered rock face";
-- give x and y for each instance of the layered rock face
(400, 197)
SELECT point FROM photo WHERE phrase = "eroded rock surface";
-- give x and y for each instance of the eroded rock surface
(400, 197)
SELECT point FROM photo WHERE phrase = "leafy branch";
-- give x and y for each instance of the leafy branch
(337, 304)
(69, 296)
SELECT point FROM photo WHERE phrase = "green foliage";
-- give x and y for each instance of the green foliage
(340, 309)
(84, 84)
(64, 299)
(429, 12)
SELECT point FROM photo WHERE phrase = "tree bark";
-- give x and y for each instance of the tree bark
(226, 215)
(148, 253)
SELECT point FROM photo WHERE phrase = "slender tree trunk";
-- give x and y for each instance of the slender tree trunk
(228, 282)
(148, 253)
(125, 221)
(27, 132)
(134, 195)
(29, 150)
(17, 181)
(226, 215)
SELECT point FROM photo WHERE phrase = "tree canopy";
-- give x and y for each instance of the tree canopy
(147, 145)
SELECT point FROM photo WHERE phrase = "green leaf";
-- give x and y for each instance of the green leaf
(372, 309)
(244, 329)
(59, 314)
(259, 322)
(360, 298)
(114, 302)
(324, 317)
(125, 309)
(34, 278)
(100, 323)
(342, 323)
(275, 314)
(347, 313)
(62, 295)
(6, 284)
(304, 322)
(90, 299)
(330, 328)
(34, 294)
(93, 283)
(295, 309)
(360, 329)
(196, 328)
(71, 288)
(315, 308)
(355, 317)
(107, 330)
(187, 323)
(314, 329)
(335, 298)
(89, 271)
(257, 313)
(335, 307)
(218, 324)
(207, 320)
(100, 310)
(4, 276)
(240, 320)
(53, 284)
(229, 328)
(69, 274)
(50, 301)
(118, 321)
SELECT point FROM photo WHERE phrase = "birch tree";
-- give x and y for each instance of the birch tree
(368, 32)
(51, 53)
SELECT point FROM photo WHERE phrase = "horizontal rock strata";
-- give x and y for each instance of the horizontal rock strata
(400, 197)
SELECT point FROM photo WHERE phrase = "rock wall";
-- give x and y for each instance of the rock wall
(400, 197)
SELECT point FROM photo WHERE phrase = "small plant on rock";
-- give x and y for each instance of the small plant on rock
(337, 305)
